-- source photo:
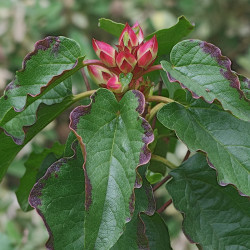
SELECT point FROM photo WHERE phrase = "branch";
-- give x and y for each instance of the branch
(154, 110)
(156, 98)
(85, 78)
(161, 209)
(164, 161)
(83, 95)
(158, 185)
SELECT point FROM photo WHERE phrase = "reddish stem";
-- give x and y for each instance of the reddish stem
(186, 156)
(85, 78)
(158, 185)
(98, 62)
(161, 209)
(152, 68)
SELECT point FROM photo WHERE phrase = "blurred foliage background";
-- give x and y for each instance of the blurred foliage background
(225, 23)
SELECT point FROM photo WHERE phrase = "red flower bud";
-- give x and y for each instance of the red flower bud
(138, 32)
(114, 84)
(99, 74)
(128, 37)
(147, 52)
(105, 52)
(125, 61)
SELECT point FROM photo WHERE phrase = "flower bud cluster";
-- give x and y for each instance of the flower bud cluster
(132, 55)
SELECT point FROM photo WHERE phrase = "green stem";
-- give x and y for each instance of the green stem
(154, 110)
(163, 160)
(156, 98)
(83, 95)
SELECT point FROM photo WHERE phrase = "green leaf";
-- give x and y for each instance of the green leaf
(215, 217)
(114, 138)
(200, 67)
(125, 79)
(157, 232)
(36, 166)
(134, 236)
(111, 27)
(167, 38)
(59, 198)
(53, 60)
(225, 139)
(153, 177)
(45, 114)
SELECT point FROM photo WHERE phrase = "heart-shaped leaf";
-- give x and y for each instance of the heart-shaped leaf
(114, 139)
(225, 139)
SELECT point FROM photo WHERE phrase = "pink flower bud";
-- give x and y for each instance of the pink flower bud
(99, 74)
(105, 52)
(147, 52)
(128, 37)
(114, 84)
(138, 32)
(125, 61)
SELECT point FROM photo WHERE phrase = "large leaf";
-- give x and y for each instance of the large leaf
(36, 166)
(59, 198)
(167, 38)
(225, 139)
(200, 67)
(215, 217)
(134, 236)
(114, 139)
(53, 60)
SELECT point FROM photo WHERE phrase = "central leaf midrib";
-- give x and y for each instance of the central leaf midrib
(111, 153)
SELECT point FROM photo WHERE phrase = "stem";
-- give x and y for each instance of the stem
(93, 62)
(163, 160)
(158, 185)
(83, 95)
(159, 93)
(152, 68)
(98, 62)
(154, 110)
(156, 98)
(161, 209)
(186, 156)
(85, 78)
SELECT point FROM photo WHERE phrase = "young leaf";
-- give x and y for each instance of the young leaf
(215, 217)
(59, 198)
(200, 67)
(225, 139)
(36, 166)
(167, 38)
(53, 60)
(125, 79)
(114, 139)
(111, 27)
(134, 236)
